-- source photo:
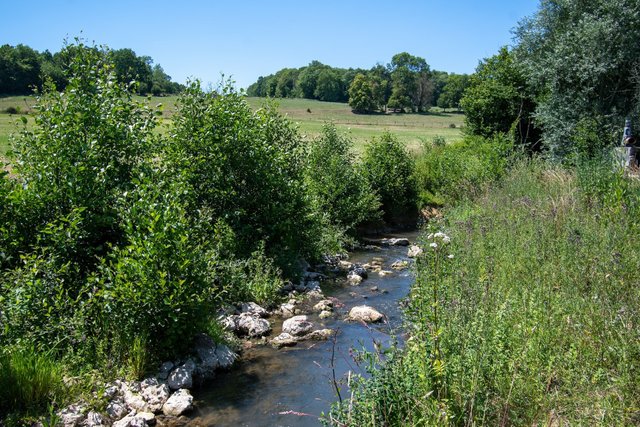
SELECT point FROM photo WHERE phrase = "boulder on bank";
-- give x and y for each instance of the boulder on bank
(354, 279)
(364, 313)
(323, 305)
(212, 356)
(180, 402)
(182, 376)
(400, 265)
(246, 324)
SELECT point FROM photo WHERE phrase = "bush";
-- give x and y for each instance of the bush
(448, 173)
(389, 170)
(87, 144)
(337, 185)
(246, 168)
(156, 288)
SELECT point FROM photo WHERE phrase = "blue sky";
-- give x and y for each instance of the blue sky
(246, 39)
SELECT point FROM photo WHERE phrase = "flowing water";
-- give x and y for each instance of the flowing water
(293, 386)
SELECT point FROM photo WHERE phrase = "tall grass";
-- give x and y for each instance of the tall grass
(537, 311)
(29, 381)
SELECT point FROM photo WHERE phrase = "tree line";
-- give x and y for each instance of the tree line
(406, 84)
(23, 69)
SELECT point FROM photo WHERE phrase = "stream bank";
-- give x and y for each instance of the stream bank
(293, 386)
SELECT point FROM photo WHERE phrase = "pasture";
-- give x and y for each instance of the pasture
(310, 115)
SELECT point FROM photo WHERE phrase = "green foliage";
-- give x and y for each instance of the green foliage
(87, 144)
(535, 311)
(29, 381)
(330, 86)
(450, 173)
(498, 100)
(253, 279)
(337, 185)
(389, 169)
(245, 168)
(582, 57)
(39, 298)
(453, 90)
(156, 288)
(362, 95)
(130, 67)
(23, 69)
(19, 69)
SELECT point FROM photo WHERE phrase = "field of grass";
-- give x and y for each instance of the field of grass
(411, 129)
(9, 122)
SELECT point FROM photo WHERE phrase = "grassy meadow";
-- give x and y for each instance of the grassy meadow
(310, 115)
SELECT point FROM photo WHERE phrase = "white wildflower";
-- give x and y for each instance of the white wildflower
(446, 239)
(450, 256)
(434, 245)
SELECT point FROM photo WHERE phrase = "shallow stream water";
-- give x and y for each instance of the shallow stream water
(293, 386)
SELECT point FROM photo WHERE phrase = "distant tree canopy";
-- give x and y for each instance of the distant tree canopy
(405, 84)
(23, 69)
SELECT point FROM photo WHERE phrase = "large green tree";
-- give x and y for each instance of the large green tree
(452, 91)
(130, 67)
(19, 69)
(498, 99)
(582, 57)
(362, 94)
(412, 86)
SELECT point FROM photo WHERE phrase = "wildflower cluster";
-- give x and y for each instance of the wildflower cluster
(439, 239)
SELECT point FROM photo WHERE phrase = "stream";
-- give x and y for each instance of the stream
(293, 386)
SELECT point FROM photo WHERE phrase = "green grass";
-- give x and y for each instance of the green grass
(411, 129)
(534, 321)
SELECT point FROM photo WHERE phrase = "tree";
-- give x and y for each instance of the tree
(453, 90)
(19, 69)
(362, 94)
(286, 83)
(498, 100)
(161, 81)
(337, 185)
(582, 57)
(389, 168)
(382, 91)
(329, 86)
(129, 67)
(411, 82)
(308, 79)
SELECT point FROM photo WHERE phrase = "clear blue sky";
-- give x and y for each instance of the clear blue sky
(250, 38)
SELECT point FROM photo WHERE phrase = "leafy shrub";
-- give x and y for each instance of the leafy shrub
(253, 279)
(245, 168)
(389, 168)
(338, 186)
(446, 173)
(154, 289)
(87, 144)
(39, 298)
